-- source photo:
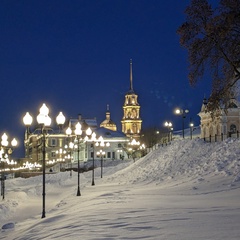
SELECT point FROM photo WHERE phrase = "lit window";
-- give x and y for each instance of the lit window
(53, 142)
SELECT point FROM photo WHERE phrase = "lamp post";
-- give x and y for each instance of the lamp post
(61, 154)
(93, 140)
(169, 126)
(133, 149)
(44, 121)
(183, 113)
(70, 148)
(78, 134)
(68, 157)
(142, 148)
(4, 153)
(101, 153)
(191, 128)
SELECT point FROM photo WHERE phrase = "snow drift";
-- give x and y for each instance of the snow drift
(187, 183)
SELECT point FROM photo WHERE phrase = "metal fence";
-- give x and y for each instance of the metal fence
(214, 138)
(222, 137)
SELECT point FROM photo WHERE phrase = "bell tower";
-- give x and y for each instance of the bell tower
(131, 121)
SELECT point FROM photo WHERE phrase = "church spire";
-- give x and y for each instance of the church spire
(108, 113)
(131, 77)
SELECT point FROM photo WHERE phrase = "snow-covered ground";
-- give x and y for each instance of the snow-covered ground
(187, 190)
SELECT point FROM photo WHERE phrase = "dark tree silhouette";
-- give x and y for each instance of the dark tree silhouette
(212, 38)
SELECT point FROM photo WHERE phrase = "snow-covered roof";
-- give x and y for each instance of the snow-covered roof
(107, 133)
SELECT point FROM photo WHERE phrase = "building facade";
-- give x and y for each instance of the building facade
(62, 149)
(225, 122)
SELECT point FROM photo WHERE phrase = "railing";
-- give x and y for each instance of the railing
(222, 137)
(214, 138)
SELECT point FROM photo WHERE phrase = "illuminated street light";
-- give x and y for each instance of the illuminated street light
(134, 145)
(78, 133)
(169, 126)
(191, 128)
(44, 121)
(5, 152)
(93, 140)
(101, 153)
(182, 113)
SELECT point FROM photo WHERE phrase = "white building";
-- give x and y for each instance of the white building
(225, 123)
(58, 144)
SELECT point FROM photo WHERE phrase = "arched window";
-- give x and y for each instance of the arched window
(233, 128)
(134, 128)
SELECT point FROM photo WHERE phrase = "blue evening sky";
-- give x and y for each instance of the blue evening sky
(74, 56)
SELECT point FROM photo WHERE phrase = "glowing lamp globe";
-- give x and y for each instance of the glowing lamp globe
(60, 119)
(27, 119)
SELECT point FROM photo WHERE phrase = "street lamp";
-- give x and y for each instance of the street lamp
(5, 152)
(142, 148)
(44, 121)
(69, 147)
(101, 153)
(183, 113)
(191, 128)
(93, 140)
(61, 158)
(69, 157)
(133, 149)
(169, 126)
(78, 134)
